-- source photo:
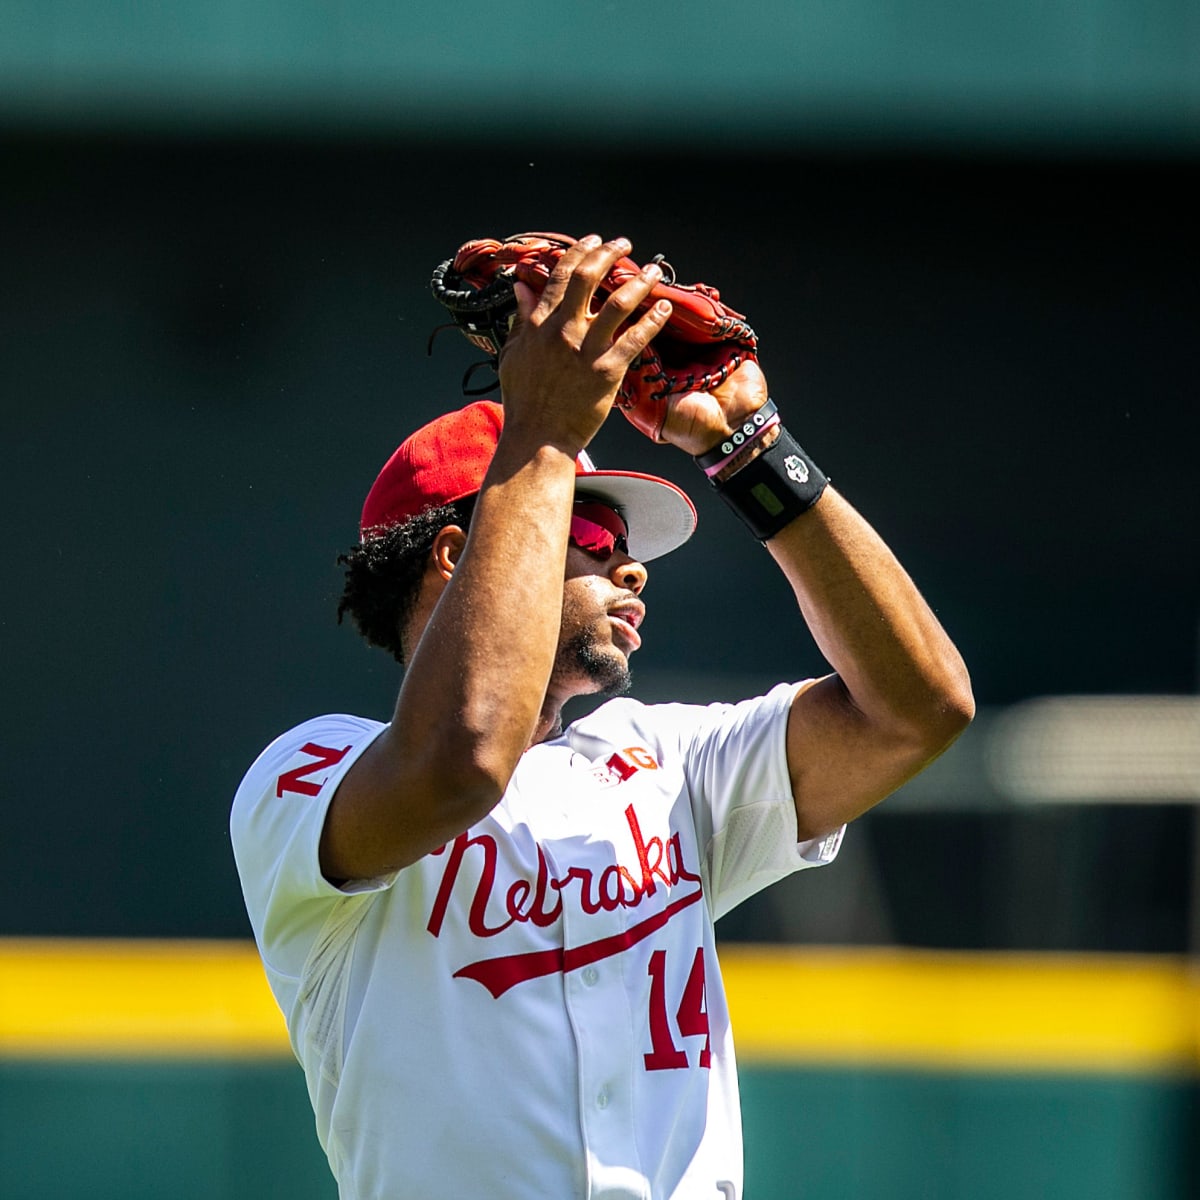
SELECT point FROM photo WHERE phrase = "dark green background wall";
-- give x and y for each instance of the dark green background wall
(210, 345)
(223, 1131)
(966, 238)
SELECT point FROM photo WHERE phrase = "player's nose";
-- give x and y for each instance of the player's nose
(628, 573)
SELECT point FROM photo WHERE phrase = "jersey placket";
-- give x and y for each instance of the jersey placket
(597, 1000)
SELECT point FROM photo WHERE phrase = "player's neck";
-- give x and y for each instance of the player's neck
(549, 724)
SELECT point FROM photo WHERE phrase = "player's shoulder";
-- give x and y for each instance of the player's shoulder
(614, 718)
(624, 710)
(666, 717)
(325, 728)
(325, 739)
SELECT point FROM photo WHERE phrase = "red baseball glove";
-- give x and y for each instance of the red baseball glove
(702, 343)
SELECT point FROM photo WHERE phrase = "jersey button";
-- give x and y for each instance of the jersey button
(602, 1098)
(590, 975)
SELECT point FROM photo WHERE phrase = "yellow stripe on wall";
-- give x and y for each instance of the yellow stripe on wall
(140, 998)
(790, 1005)
(965, 1011)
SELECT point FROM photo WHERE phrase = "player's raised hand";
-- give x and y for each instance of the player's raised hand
(563, 362)
(697, 421)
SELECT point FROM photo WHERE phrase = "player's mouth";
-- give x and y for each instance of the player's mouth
(625, 618)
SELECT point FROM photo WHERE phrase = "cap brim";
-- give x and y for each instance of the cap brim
(660, 516)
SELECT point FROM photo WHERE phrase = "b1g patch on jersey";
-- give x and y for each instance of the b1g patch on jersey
(623, 765)
(298, 779)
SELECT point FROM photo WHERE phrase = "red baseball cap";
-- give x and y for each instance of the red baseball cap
(447, 459)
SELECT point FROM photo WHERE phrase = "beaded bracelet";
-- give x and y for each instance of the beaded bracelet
(715, 460)
(775, 485)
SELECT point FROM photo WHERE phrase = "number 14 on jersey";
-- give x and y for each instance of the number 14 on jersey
(691, 1017)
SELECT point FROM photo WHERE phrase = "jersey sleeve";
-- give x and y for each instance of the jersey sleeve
(735, 761)
(275, 827)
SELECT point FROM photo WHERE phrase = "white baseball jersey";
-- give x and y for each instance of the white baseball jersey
(536, 1009)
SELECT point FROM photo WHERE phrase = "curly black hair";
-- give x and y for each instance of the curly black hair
(383, 574)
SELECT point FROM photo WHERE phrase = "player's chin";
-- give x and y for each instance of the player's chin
(600, 667)
(615, 682)
(609, 672)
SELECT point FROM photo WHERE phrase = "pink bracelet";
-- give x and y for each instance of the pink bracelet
(738, 441)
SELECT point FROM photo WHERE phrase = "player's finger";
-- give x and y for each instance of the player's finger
(562, 273)
(586, 276)
(625, 301)
(638, 335)
(527, 301)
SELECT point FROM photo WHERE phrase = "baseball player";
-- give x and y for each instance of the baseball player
(492, 936)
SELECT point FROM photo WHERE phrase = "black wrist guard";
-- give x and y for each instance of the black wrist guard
(774, 488)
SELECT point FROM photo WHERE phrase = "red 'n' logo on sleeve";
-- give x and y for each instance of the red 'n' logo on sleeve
(295, 781)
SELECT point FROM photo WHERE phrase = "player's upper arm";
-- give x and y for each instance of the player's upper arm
(842, 763)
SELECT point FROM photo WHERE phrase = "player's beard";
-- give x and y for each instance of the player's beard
(604, 666)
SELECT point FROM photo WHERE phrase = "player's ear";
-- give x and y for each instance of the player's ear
(447, 547)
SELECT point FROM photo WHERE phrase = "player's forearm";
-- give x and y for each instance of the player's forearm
(896, 662)
(476, 681)
(478, 677)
